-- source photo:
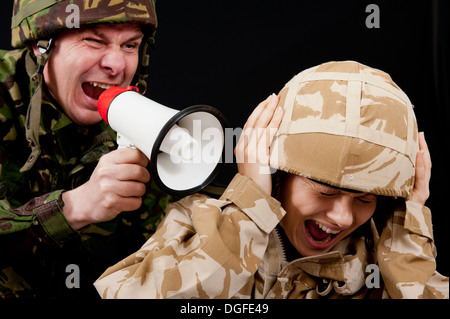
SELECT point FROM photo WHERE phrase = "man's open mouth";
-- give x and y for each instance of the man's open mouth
(94, 89)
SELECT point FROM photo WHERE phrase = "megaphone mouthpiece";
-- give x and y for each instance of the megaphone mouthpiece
(107, 96)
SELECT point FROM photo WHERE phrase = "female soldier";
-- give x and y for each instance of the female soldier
(347, 149)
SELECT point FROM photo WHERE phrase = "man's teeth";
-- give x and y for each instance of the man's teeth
(101, 85)
(326, 229)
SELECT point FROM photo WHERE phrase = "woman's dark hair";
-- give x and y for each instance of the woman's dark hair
(385, 208)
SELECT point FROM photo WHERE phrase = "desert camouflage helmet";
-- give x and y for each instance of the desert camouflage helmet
(350, 126)
(38, 19)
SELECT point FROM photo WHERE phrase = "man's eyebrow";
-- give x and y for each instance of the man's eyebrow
(93, 30)
(136, 37)
(102, 35)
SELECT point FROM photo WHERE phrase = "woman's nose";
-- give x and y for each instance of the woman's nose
(341, 213)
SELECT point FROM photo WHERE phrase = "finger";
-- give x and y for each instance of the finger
(112, 191)
(256, 113)
(130, 189)
(268, 112)
(423, 146)
(268, 121)
(271, 130)
(255, 128)
(421, 191)
(420, 171)
(131, 172)
(129, 156)
(248, 131)
(274, 124)
(422, 142)
(247, 135)
(245, 151)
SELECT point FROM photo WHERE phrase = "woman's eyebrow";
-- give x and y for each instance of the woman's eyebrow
(338, 188)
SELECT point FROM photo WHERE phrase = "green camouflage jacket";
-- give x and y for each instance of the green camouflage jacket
(37, 244)
(232, 248)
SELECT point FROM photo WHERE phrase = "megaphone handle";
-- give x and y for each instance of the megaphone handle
(123, 142)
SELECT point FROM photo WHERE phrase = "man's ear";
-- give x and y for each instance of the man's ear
(35, 49)
(39, 50)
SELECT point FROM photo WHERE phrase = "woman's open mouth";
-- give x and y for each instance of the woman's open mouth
(94, 89)
(319, 236)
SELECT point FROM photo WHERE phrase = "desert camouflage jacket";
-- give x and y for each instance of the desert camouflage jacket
(232, 248)
(36, 241)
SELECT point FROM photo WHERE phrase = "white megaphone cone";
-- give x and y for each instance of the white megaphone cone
(184, 147)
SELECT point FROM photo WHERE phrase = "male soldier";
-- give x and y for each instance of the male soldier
(59, 202)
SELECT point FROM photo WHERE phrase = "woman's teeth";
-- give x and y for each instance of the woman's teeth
(326, 229)
(320, 235)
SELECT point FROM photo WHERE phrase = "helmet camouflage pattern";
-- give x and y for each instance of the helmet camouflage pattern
(350, 126)
(39, 19)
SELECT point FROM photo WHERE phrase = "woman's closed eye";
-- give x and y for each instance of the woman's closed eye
(328, 194)
(368, 198)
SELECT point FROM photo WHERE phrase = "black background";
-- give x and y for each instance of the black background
(233, 54)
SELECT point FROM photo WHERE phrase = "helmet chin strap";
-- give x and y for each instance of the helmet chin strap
(145, 62)
(33, 117)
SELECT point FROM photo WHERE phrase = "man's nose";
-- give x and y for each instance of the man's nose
(113, 61)
(341, 213)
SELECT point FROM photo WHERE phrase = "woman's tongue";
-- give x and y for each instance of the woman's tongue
(315, 231)
(92, 91)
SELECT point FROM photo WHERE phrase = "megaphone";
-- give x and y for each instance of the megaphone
(184, 147)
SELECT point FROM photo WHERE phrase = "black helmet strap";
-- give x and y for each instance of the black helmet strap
(145, 62)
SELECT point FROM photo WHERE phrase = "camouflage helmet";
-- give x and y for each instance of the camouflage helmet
(39, 19)
(350, 126)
